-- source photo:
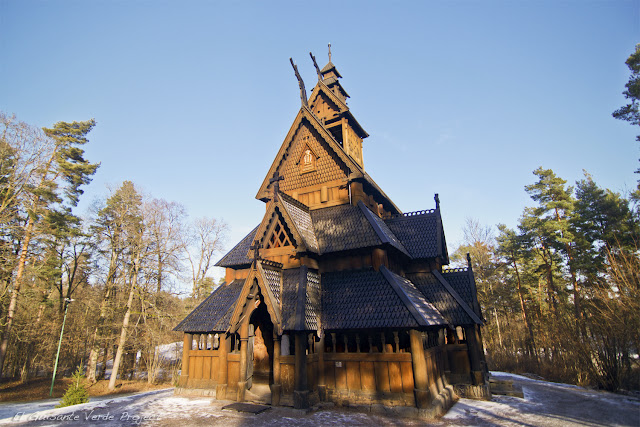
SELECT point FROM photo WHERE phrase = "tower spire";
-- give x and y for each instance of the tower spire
(329, 52)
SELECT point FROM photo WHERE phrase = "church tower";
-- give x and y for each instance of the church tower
(320, 162)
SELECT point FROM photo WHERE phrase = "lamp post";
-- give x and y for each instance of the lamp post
(55, 367)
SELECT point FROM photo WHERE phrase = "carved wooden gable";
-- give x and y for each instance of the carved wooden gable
(310, 162)
(323, 106)
(278, 235)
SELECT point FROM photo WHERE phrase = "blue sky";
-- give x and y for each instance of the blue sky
(462, 98)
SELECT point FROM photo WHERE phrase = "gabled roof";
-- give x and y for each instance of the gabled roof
(462, 280)
(385, 235)
(445, 297)
(306, 116)
(322, 87)
(299, 214)
(341, 228)
(360, 299)
(301, 299)
(213, 314)
(265, 284)
(346, 227)
(421, 233)
(238, 256)
(422, 310)
(328, 68)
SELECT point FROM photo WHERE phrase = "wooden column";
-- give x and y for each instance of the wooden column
(223, 370)
(242, 377)
(474, 355)
(420, 379)
(301, 392)
(186, 348)
(322, 386)
(276, 387)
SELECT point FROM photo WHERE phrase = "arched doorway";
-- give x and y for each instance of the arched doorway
(260, 359)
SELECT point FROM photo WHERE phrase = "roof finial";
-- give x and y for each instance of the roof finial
(303, 91)
(329, 52)
(437, 199)
(315, 64)
(468, 260)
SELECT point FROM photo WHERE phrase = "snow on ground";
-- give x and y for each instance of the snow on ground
(544, 404)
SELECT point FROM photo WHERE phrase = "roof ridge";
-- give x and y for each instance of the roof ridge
(457, 297)
(382, 235)
(392, 278)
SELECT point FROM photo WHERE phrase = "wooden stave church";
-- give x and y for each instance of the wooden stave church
(336, 295)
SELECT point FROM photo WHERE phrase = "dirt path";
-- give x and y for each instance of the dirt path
(545, 404)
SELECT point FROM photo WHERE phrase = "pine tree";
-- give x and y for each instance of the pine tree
(77, 392)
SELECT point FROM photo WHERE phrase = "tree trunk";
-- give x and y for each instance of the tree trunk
(125, 325)
(531, 344)
(98, 331)
(13, 303)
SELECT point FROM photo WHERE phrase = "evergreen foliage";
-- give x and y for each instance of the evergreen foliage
(77, 392)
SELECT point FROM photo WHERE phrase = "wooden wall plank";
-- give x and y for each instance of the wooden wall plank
(192, 367)
(287, 377)
(367, 376)
(353, 376)
(232, 379)
(215, 368)
(206, 368)
(382, 376)
(329, 374)
(395, 377)
(341, 376)
(198, 367)
(407, 376)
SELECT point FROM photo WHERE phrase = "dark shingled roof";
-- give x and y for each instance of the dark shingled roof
(342, 228)
(423, 311)
(300, 313)
(273, 278)
(441, 298)
(290, 279)
(420, 234)
(461, 281)
(362, 299)
(313, 301)
(238, 255)
(382, 230)
(299, 213)
(214, 313)
(328, 68)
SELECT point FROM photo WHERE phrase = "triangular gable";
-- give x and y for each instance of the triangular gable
(284, 221)
(305, 116)
(340, 106)
(321, 88)
(256, 280)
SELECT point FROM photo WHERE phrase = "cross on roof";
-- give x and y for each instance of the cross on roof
(276, 182)
(256, 249)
